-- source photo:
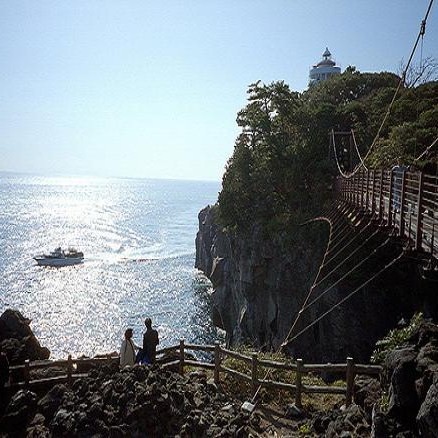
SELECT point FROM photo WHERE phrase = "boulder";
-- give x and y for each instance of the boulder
(367, 392)
(50, 403)
(20, 410)
(18, 340)
(427, 417)
(400, 366)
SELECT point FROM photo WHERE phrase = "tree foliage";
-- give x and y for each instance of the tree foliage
(282, 172)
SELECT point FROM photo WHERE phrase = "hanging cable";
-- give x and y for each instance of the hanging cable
(357, 150)
(427, 150)
(344, 299)
(351, 254)
(313, 285)
(357, 266)
(400, 83)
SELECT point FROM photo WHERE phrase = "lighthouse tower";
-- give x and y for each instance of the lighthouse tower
(324, 69)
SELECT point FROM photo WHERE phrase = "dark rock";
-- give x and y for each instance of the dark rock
(20, 410)
(63, 423)
(367, 392)
(18, 340)
(403, 399)
(426, 332)
(427, 417)
(38, 431)
(49, 404)
(350, 422)
(294, 412)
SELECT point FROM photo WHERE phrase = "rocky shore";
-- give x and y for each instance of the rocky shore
(153, 401)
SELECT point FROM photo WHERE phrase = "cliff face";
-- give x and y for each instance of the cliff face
(260, 284)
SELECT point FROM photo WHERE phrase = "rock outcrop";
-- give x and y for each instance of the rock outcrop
(141, 401)
(411, 376)
(260, 283)
(18, 340)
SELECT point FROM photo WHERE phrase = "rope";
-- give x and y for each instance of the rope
(348, 257)
(346, 298)
(400, 83)
(313, 285)
(427, 150)
(357, 150)
(352, 231)
(345, 175)
(358, 265)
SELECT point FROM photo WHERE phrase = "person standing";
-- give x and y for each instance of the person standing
(127, 350)
(150, 342)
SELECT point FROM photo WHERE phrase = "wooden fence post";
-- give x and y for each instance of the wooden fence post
(350, 381)
(217, 362)
(26, 372)
(69, 369)
(298, 378)
(181, 356)
(254, 380)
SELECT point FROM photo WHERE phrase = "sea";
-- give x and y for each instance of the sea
(138, 240)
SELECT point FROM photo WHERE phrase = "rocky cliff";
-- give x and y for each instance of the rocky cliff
(260, 283)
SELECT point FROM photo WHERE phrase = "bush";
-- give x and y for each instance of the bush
(395, 338)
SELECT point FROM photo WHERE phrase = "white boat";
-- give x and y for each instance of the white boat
(60, 257)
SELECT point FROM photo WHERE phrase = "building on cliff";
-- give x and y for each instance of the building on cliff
(324, 69)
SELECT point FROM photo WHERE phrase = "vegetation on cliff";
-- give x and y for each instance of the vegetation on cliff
(282, 169)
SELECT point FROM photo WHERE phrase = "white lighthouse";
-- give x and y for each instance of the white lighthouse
(324, 69)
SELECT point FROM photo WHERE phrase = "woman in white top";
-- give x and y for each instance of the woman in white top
(127, 350)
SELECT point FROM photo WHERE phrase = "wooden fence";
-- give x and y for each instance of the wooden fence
(255, 364)
(405, 201)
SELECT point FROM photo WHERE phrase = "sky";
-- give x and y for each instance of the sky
(142, 88)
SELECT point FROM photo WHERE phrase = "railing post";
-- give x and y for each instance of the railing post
(217, 362)
(181, 356)
(419, 227)
(108, 360)
(69, 369)
(381, 195)
(373, 200)
(362, 188)
(390, 196)
(356, 189)
(367, 194)
(402, 203)
(26, 372)
(351, 190)
(254, 380)
(350, 381)
(298, 379)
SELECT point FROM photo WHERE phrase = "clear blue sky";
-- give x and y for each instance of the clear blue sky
(151, 88)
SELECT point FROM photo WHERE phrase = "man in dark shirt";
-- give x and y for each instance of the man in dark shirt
(150, 341)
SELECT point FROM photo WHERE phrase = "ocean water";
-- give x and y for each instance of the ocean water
(137, 236)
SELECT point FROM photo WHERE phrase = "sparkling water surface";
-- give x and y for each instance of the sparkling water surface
(137, 236)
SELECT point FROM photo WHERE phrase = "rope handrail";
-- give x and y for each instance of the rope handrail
(388, 111)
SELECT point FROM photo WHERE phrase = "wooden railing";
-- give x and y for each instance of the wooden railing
(254, 363)
(405, 201)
